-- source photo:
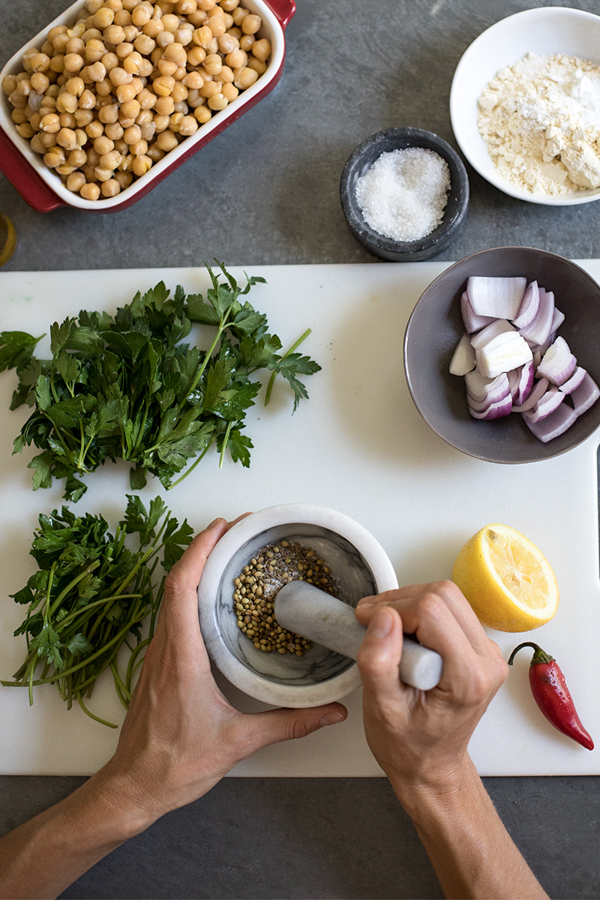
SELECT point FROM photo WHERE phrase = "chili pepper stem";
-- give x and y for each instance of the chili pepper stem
(539, 655)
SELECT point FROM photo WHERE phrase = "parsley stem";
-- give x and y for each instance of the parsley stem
(96, 718)
(286, 354)
(225, 442)
(75, 581)
(91, 606)
(191, 468)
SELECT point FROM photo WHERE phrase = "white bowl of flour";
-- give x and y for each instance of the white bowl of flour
(525, 106)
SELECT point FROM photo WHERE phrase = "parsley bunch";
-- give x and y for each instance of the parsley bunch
(91, 595)
(128, 387)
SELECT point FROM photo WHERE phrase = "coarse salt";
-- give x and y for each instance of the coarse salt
(404, 193)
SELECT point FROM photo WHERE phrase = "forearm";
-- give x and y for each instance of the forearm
(45, 855)
(471, 851)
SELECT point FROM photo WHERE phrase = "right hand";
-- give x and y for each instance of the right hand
(420, 738)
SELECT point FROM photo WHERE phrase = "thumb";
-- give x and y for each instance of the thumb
(287, 724)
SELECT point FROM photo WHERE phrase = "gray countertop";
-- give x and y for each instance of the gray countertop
(266, 192)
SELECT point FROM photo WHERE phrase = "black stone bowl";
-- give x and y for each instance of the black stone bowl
(454, 214)
(435, 327)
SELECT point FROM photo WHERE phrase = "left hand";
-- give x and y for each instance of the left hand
(181, 735)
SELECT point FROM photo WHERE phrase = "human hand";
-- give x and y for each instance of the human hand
(420, 738)
(180, 735)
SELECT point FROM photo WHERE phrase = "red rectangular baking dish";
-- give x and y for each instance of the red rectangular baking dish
(43, 190)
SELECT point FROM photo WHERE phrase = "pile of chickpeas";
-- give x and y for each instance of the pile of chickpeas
(104, 100)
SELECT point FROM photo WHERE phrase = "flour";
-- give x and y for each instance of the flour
(540, 119)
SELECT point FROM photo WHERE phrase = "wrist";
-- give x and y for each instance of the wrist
(439, 795)
(118, 803)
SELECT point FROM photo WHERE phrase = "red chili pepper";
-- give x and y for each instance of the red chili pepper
(552, 695)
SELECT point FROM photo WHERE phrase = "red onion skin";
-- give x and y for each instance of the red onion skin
(552, 695)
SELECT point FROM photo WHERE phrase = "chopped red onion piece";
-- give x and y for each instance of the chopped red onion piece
(536, 393)
(585, 395)
(463, 358)
(558, 363)
(498, 297)
(529, 306)
(524, 383)
(567, 387)
(513, 381)
(494, 411)
(504, 352)
(471, 320)
(491, 331)
(553, 425)
(545, 405)
(486, 389)
(539, 330)
(557, 319)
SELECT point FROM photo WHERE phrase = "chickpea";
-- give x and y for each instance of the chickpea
(141, 15)
(25, 130)
(164, 39)
(114, 131)
(94, 130)
(75, 86)
(228, 43)
(124, 179)
(229, 91)
(188, 125)
(50, 123)
(170, 22)
(225, 75)
(90, 191)
(131, 33)
(247, 41)
(39, 62)
(239, 14)
(9, 84)
(244, 78)
(202, 36)
(132, 135)
(209, 89)
(103, 18)
(57, 63)
(103, 174)
(229, 5)
(108, 113)
(75, 182)
(94, 50)
(73, 62)
(110, 188)
(167, 66)
(153, 28)
(163, 85)
(83, 117)
(213, 64)
(97, 71)
(218, 101)
(24, 87)
(179, 92)
(187, 7)
(110, 160)
(47, 139)
(196, 56)
(258, 65)
(142, 164)
(77, 157)
(110, 61)
(176, 53)
(66, 120)
(235, 32)
(193, 80)
(183, 35)
(146, 68)
(164, 106)
(54, 157)
(217, 26)
(237, 59)
(37, 144)
(64, 170)
(147, 99)
(161, 123)
(55, 31)
(148, 130)
(166, 141)
(66, 102)
(155, 154)
(125, 92)
(198, 18)
(103, 145)
(123, 50)
(92, 34)
(103, 88)
(133, 62)
(75, 45)
(206, 5)
(122, 18)
(114, 34)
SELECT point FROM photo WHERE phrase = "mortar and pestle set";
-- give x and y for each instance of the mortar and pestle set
(327, 671)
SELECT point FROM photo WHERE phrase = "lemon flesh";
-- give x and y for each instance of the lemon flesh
(506, 579)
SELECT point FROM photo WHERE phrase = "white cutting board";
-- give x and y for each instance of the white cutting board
(358, 446)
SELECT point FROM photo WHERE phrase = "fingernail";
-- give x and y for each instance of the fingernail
(367, 601)
(214, 523)
(331, 718)
(381, 624)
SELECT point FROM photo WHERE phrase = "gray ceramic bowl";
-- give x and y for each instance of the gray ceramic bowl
(454, 215)
(435, 326)
(361, 567)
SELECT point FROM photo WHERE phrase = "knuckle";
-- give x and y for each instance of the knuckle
(431, 604)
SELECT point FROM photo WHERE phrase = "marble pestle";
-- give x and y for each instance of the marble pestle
(306, 610)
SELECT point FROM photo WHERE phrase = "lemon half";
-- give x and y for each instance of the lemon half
(506, 579)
